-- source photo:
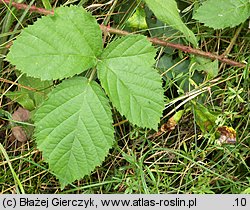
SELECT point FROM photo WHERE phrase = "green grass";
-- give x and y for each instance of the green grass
(184, 160)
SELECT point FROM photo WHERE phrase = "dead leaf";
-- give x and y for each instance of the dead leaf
(172, 122)
(227, 135)
(169, 126)
(19, 134)
(20, 115)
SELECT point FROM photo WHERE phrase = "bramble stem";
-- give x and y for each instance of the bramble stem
(156, 41)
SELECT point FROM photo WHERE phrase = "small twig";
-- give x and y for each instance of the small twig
(155, 41)
(17, 84)
(183, 48)
(191, 50)
(25, 6)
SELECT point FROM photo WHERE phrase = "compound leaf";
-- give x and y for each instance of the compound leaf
(223, 13)
(58, 46)
(74, 129)
(167, 12)
(133, 86)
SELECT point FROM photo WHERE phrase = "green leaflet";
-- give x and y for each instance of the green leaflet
(30, 99)
(167, 12)
(74, 129)
(209, 67)
(223, 13)
(133, 86)
(58, 46)
(204, 118)
(178, 115)
(138, 20)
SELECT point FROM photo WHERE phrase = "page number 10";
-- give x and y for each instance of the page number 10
(240, 202)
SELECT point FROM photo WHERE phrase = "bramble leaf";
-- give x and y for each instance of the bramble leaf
(74, 129)
(167, 12)
(58, 46)
(133, 86)
(33, 97)
(209, 67)
(223, 13)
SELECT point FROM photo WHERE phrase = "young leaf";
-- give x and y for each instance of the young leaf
(133, 86)
(211, 68)
(58, 46)
(223, 13)
(30, 99)
(204, 118)
(138, 20)
(74, 129)
(167, 12)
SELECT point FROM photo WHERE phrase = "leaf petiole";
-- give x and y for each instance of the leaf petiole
(92, 74)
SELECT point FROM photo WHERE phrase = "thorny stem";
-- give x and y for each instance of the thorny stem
(156, 41)
(25, 6)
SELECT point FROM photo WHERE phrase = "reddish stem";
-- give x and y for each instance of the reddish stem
(156, 41)
(25, 6)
